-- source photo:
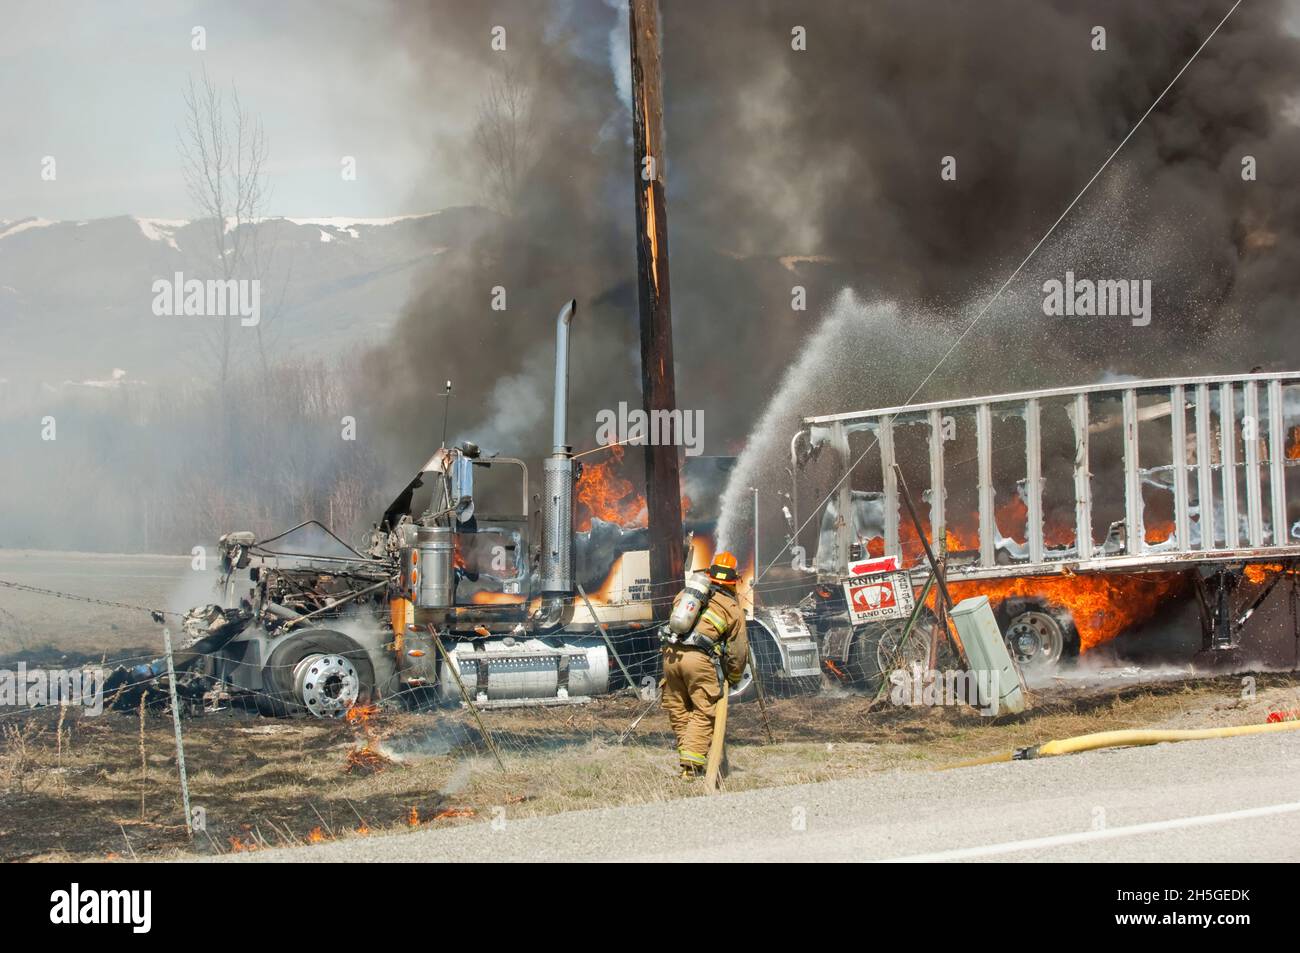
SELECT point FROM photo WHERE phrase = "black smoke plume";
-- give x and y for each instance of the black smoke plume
(820, 168)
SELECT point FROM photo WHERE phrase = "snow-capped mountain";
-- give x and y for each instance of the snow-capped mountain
(76, 297)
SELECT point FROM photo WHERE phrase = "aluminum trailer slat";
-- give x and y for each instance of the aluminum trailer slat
(840, 441)
(1033, 479)
(1204, 469)
(1178, 455)
(889, 482)
(1254, 490)
(938, 525)
(1228, 466)
(1134, 536)
(1082, 480)
(984, 453)
(1276, 455)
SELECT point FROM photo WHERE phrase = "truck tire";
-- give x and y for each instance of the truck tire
(875, 651)
(1041, 639)
(767, 656)
(768, 659)
(318, 673)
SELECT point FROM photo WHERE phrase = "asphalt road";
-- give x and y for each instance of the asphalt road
(1234, 799)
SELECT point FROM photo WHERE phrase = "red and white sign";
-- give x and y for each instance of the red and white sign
(868, 567)
(880, 597)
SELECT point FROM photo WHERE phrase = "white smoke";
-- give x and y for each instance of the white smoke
(849, 363)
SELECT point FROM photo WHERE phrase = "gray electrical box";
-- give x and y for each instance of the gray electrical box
(987, 652)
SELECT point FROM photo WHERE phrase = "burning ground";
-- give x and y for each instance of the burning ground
(263, 784)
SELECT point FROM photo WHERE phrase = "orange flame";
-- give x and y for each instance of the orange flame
(1258, 572)
(604, 493)
(413, 818)
(1102, 605)
(1293, 443)
(1159, 531)
(359, 716)
(1012, 519)
(486, 597)
(366, 758)
(454, 812)
(606, 593)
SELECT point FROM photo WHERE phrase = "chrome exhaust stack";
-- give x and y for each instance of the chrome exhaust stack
(556, 569)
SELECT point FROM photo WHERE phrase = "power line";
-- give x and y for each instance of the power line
(997, 294)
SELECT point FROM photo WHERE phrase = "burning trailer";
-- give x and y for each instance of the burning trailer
(1079, 512)
(447, 601)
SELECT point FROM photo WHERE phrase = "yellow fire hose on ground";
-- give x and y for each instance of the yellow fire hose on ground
(1123, 739)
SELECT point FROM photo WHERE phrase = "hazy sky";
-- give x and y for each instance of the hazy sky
(98, 86)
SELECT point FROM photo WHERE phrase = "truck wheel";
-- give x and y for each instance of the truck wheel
(318, 673)
(1041, 641)
(768, 659)
(744, 690)
(877, 650)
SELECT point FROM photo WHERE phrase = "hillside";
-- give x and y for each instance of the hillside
(75, 297)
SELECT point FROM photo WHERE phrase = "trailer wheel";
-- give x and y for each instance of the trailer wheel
(878, 649)
(318, 673)
(1040, 641)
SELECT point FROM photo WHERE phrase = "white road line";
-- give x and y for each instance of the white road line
(1084, 837)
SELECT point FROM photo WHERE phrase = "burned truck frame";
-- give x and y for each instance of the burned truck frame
(444, 601)
(1196, 475)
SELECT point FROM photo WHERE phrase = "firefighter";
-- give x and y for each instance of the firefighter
(691, 661)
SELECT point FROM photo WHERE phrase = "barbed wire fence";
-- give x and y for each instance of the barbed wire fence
(506, 745)
(259, 782)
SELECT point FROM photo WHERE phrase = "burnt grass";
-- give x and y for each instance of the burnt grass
(266, 782)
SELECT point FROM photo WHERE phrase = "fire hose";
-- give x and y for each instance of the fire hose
(1124, 739)
(718, 744)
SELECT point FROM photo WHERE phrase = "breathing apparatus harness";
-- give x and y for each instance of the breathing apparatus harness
(682, 628)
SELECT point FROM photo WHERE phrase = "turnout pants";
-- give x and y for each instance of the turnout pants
(690, 695)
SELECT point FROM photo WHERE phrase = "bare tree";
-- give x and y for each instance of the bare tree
(224, 150)
(504, 139)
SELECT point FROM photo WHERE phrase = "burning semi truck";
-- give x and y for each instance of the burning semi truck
(460, 591)
(1078, 511)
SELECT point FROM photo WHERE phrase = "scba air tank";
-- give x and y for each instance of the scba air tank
(692, 602)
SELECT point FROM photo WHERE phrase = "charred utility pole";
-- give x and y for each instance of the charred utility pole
(658, 388)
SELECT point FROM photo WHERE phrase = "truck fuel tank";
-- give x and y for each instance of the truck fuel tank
(498, 672)
(437, 548)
